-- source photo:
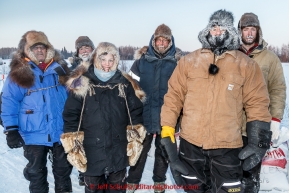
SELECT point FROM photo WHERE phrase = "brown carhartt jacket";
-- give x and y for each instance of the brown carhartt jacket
(213, 104)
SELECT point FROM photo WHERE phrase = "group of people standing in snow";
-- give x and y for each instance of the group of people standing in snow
(229, 97)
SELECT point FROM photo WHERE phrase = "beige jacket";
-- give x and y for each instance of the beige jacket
(213, 105)
(274, 78)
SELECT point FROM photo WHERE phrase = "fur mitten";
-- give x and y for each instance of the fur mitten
(138, 132)
(67, 140)
(76, 154)
(134, 149)
(135, 137)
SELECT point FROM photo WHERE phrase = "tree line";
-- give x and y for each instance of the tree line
(282, 53)
(127, 52)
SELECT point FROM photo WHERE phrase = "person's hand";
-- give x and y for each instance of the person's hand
(168, 131)
(14, 139)
(177, 167)
(259, 138)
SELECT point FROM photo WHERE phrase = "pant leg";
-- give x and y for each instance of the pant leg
(36, 170)
(61, 169)
(251, 178)
(198, 179)
(95, 184)
(117, 182)
(135, 172)
(80, 178)
(226, 170)
(160, 165)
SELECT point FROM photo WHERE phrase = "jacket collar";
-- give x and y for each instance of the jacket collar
(231, 52)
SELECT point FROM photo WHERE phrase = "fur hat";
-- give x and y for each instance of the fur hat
(83, 41)
(225, 20)
(32, 38)
(104, 48)
(250, 19)
(163, 31)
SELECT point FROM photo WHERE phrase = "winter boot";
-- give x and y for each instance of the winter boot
(251, 180)
(250, 185)
(131, 187)
(159, 187)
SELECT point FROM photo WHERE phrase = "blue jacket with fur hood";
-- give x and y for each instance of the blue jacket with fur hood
(33, 100)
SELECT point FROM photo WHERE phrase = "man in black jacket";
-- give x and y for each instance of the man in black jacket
(152, 69)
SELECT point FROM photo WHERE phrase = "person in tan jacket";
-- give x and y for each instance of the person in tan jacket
(212, 85)
(254, 46)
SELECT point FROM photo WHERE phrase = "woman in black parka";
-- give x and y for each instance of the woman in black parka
(108, 95)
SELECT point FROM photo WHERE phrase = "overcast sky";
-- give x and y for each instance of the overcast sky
(132, 22)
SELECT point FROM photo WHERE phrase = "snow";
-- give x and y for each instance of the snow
(12, 161)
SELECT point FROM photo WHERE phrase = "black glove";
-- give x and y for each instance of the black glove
(14, 139)
(177, 167)
(259, 138)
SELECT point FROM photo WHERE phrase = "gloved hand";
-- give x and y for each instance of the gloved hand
(14, 139)
(259, 138)
(275, 128)
(168, 131)
(177, 167)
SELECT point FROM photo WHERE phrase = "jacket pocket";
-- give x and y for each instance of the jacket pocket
(31, 121)
(233, 84)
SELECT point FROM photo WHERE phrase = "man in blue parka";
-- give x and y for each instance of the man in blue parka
(32, 103)
(152, 68)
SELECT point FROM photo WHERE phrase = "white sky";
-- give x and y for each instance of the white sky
(132, 22)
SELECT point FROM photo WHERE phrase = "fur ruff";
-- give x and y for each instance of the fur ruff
(105, 47)
(137, 89)
(84, 87)
(135, 137)
(225, 20)
(33, 37)
(22, 74)
(76, 154)
(139, 52)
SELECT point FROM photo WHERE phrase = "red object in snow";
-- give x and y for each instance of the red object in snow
(275, 157)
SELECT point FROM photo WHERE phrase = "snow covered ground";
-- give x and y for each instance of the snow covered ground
(12, 163)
